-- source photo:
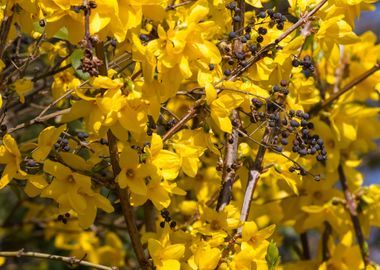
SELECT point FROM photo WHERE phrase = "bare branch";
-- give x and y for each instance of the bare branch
(351, 207)
(71, 261)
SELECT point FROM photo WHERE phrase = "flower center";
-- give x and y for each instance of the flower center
(130, 173)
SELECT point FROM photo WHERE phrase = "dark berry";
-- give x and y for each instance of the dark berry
(92, 4)
(283, 83)
(173, 224)
(277, 148)
(260, 39)
(270, 12)
(280, 26)
(276, 88)
(313, 150)
(248, 29)
(60, 217)
(320, 142)
(294, 123)
(66, 148)
(253, 48)
(67, 215)
(320, 158)
(164, 213)
(227, 72)
(262, 30)
(292, 169)
(162, 224)
(144, 37)
(284, 141)
(168, 219)
(291, 112)
(237, 18)
(42, 23)
(149, 132)
(57, 145)
(65, 141)
(211, 66)
(243, 39)
(64, 221)
(240, 55)
(295, 63)
(232, 35)
(31, 163)
(261, 14)
(103, 141)
(302, 152)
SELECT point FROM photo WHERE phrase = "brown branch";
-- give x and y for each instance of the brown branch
(231, 141)
(149, 217)
(325, 241)
(38, 120)
(174, 6)
(190, 114)
(253, 177)
(317, 108)
(71, 261)
(126, 206)
(6, 24)
(229, 166)
(305, 246)
(351, 207)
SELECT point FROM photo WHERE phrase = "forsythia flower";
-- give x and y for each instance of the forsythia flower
(10, 156)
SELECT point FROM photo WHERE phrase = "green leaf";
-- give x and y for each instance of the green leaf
(272, 257)
(76, 61)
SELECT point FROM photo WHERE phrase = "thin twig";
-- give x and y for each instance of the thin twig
(71, 261)
(190, 114)
(351, 207)
(317, 108)
(305, 246)
(174, 6)
(325, 241)
(38, 120)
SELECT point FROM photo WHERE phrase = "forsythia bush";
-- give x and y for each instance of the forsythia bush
(199, 134)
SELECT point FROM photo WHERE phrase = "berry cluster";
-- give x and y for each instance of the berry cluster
(284, 125)
(306, 63)
(82, 136)
(63, 218)
(166, 216)
(62, 144)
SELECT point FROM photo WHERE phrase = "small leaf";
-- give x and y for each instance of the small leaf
(272, 257)
(76, 61)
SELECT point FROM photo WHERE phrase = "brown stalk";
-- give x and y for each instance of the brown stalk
(351, 207)
(231, 141)
(71, 261)
(317, 108)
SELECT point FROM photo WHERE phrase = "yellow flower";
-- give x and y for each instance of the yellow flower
(166, 256)
(22, 86)
(73, 191)
(46, 139)
(133, 173)
(222, 107)
(10, 156)
(205, 257)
